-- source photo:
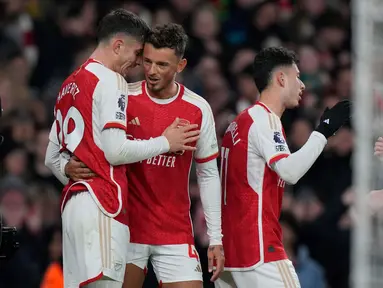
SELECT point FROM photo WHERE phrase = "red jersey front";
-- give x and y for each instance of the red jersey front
(159, 202)
(252, 192)
(91, 99)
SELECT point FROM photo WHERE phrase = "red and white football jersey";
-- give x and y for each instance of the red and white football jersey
(251, 191)
(159, 202)
(91, 99)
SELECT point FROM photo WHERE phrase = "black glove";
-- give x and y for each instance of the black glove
(334, 118)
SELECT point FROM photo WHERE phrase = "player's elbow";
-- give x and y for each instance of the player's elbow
(289, 179)
(285, 171)
(112, 157)
(287, 175)
(207, 170)
(48, 162)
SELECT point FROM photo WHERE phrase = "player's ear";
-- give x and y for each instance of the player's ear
(280, 78)
(181, 65)
(117, 46)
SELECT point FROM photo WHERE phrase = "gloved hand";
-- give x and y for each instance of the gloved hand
(334, 118)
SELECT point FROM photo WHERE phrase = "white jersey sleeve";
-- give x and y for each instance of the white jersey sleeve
(53, 137)
(207, 146)
(52, 156)
(267, 137)
(210, 191)
(111, 99)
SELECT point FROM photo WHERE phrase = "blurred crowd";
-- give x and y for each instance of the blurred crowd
(43, 41)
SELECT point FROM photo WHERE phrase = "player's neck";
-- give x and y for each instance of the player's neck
(165, 93)
(270, 99)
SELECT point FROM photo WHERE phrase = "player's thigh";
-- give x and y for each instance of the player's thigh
(104, 283)
(98, 242)
(177, 264)
(134, 276)
(185, 284)
(137, 261)
(225, 280)
(278, 274)
(69, 253)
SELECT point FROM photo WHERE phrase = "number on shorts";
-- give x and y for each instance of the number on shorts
(70, 139)
(192, 252)
(224, 161)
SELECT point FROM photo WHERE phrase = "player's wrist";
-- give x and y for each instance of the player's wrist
(215, 241)
(164, 142)
(320, 136)
(324, 130)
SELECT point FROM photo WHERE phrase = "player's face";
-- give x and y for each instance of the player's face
(295, 87)
(129, 54)
(161, 67)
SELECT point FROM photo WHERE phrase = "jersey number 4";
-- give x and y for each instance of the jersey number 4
(70, 129)
(223, 171)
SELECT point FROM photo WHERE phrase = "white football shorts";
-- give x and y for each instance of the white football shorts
(278, 274)
(94, 245)
(171, 263)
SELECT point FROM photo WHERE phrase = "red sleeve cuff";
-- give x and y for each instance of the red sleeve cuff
(207, 159)
(114, 125)
(277, 157)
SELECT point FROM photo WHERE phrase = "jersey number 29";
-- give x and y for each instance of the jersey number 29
(70, 137)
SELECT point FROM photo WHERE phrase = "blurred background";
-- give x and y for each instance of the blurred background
(43, 41)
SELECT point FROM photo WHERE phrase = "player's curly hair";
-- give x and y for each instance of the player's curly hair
(171, 36)
(122, 21)
(267, 60)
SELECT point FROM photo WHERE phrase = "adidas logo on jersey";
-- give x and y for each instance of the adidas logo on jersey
(327, 121)
(135, 121)
(198, 268)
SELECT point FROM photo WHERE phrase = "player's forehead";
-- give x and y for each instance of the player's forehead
(131, 42)
(159, 54)
(292, 70)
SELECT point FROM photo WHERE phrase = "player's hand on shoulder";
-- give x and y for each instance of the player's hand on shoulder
(378, 149)
(179, 136)
(216, 253)
(77, 170)
(334, 118)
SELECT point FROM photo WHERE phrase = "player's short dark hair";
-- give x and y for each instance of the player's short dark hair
(122, 21)
(267, 60)
(171, 36)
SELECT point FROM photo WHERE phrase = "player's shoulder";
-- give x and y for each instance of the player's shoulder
(135, 88)
(195, 100)
(263, 117)
(107, 77)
